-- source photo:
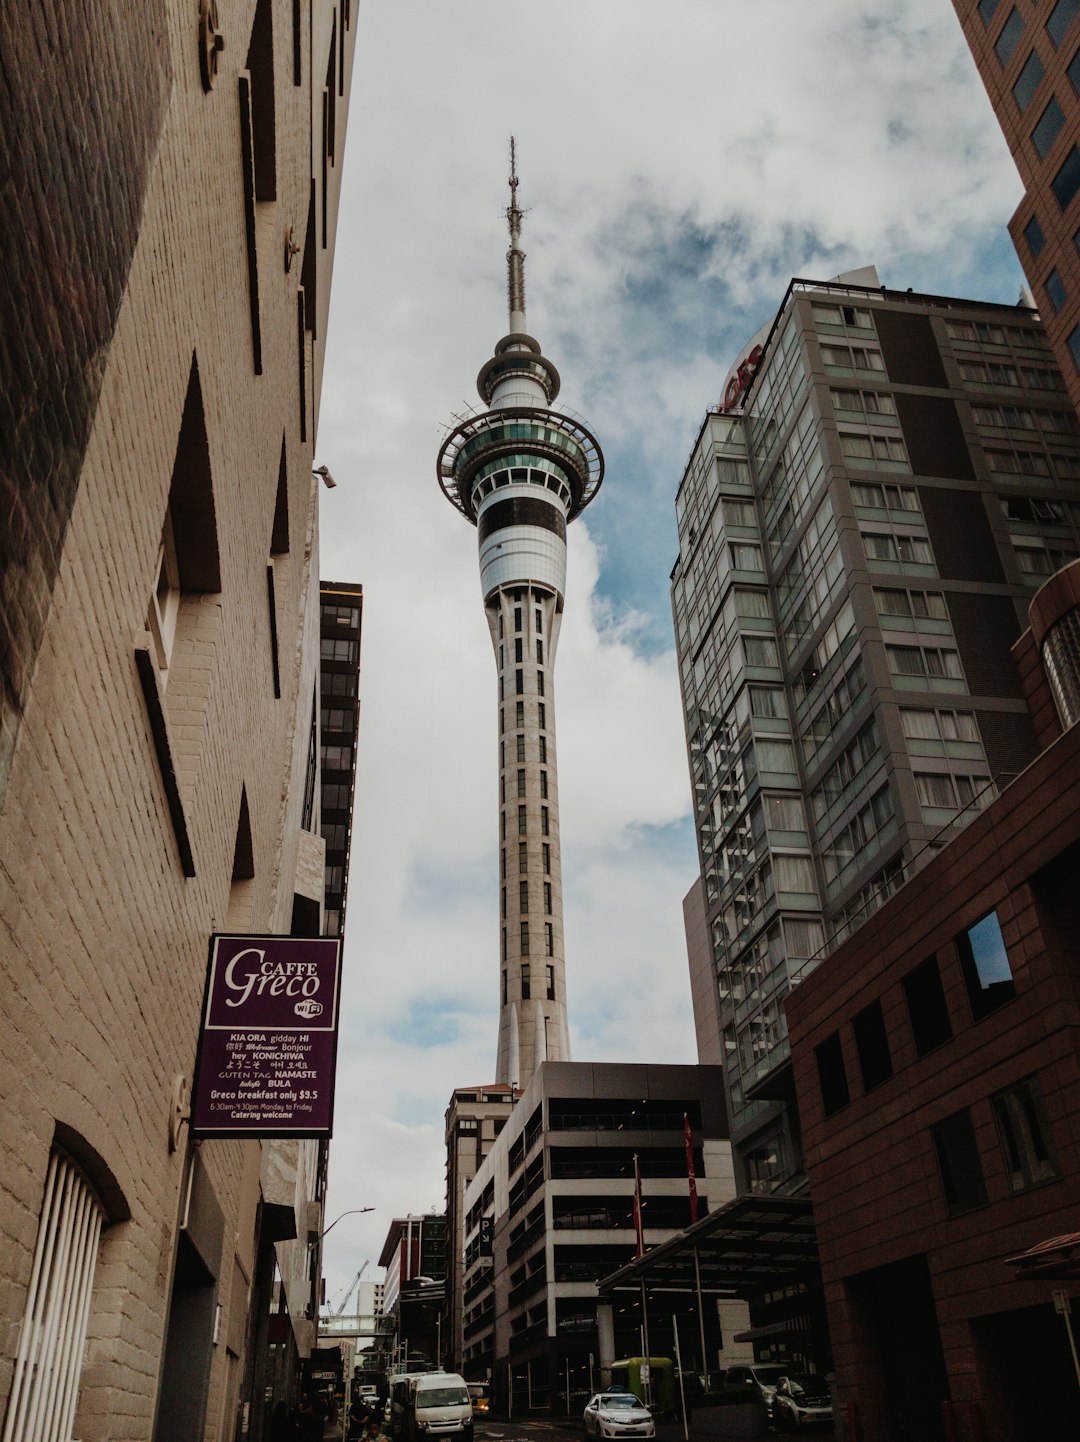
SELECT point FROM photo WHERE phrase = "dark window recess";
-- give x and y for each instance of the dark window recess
(1073, 342)
(1073, 73)
(832, 1077)
(927, 1008)
(1061, 18)
(872, 1046)
(985, 966)
(1066, 182)
(260, 65)
(1048, 128)
(1034, 236)
(519, 682)
(1024, 1136)
(1006, 43)
(987, 9)
(959, 1163)
(1028, 81)
(1055, 290)
(271, 601)
(247, 165)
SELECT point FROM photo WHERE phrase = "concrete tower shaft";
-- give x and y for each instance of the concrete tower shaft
(520, 472)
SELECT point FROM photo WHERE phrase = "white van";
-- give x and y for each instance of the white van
(440, 1406)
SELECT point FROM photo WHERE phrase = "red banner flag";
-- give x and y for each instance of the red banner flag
(689, 1135)
(639, 1224)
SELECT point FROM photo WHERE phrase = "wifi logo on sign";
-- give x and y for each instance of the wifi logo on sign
(308, 1009)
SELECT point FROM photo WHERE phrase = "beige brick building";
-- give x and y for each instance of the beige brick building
(170, 215)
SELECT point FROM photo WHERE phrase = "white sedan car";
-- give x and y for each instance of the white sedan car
(618, 1414)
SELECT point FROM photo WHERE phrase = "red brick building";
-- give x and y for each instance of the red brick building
(1028, 55)
(937, 1060)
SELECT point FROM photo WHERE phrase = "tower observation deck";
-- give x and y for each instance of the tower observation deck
(520, 471)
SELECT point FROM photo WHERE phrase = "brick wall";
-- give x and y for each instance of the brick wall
(129, 182)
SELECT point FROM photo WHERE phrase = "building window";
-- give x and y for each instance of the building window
(1048, 129)
(518, 650)
(523, 896)
(521, 748)
(545, 823)
(549, 939)
(1073, 343)
(543, 750)
(48, 1365)
(1006, 43)
(541, 716)
(543, 784)
(517, 618)
(526, 988)
(539, 653)
(1024, 1136)
(927, 1010)
(467, 1125)
(1028, 82)
(832, 1076)
(987, 9)
(872, 1046)
(959, 1163)
(504, 989)
(550, 970)
(519, 713)
(547, 897)
(165, 600)
(1073, 73)
(1066, 182)
(539, 683)
(547, 856)
(523, 855)
(985, 966)
(1055, 290)
(521, 820)
(519, 682)
(521, 783)
(1061, 18)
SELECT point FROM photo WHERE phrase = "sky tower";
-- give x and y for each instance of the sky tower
(519, 471)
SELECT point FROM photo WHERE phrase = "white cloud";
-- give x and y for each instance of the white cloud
(680, 164)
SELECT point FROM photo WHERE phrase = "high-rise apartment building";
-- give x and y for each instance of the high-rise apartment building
(1028, 55)
(340, 617)
(862, 521)
(474, 1118)
(520, 471)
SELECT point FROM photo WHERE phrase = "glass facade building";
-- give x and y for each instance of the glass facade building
(862, 523)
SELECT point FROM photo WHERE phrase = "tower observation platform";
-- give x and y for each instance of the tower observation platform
(520, 472)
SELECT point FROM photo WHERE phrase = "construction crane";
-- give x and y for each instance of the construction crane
(352, 1288)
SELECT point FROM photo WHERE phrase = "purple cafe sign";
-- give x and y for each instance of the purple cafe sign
(269, 1038)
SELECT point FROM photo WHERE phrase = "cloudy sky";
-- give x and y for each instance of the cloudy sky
(678, 163)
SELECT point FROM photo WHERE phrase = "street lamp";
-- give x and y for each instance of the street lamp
(351, 1212)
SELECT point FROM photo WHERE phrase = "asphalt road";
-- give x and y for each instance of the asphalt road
(527, 1431)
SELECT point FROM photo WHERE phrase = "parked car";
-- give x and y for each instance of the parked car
(618, 1414)
(802, 1400)
(761, 1377)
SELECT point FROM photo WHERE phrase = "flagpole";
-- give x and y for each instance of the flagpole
(701, 1318)
(648, 1353)
(682, 1384)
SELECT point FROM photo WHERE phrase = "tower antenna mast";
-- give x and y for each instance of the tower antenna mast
(515, 256)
